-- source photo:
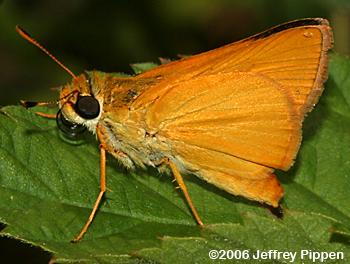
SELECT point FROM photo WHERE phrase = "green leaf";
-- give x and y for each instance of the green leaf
(48, 186)
(142, 67)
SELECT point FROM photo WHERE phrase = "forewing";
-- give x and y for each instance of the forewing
(292, 54)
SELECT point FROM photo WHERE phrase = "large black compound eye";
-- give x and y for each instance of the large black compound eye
(87, 107)
(71, 130)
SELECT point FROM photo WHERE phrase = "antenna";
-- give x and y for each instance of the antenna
(27, 37)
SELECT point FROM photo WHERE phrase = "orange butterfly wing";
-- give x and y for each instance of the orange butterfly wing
(293, 54)
(234, 113)
(241, 114)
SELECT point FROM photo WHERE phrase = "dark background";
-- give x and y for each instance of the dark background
(109, 35)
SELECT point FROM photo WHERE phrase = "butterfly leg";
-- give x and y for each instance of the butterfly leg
(102, 186)
(103, 148)
(51, 116)
(99, 197)
(180, 181)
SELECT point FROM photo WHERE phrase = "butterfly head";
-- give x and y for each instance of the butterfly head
(78, 107)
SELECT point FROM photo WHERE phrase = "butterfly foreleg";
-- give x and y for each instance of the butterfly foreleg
(103, 146)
